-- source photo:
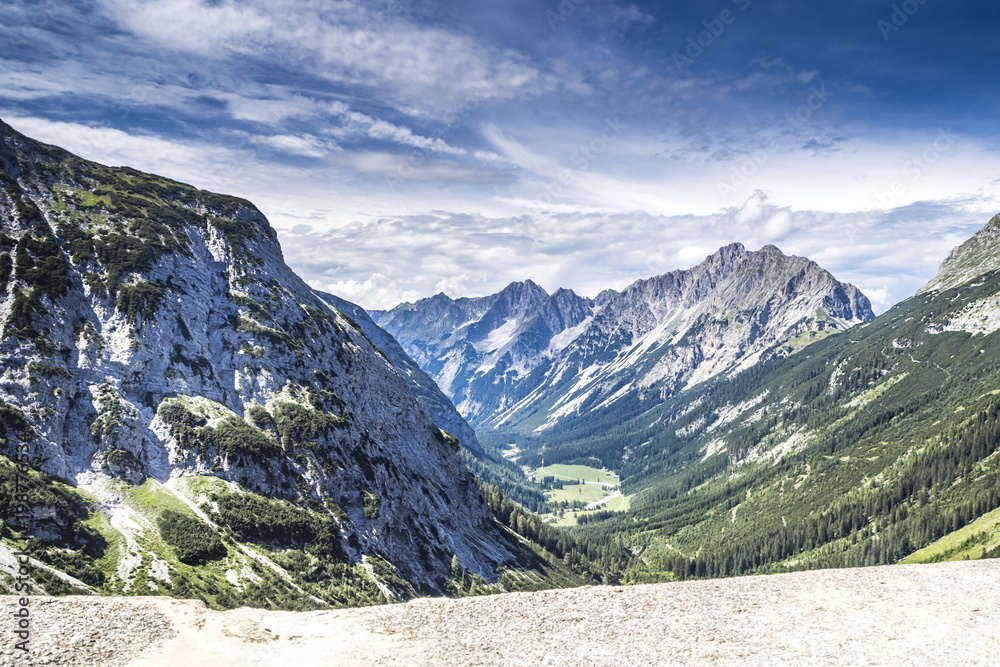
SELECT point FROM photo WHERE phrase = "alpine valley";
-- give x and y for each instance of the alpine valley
(192, 419)
(759, 417)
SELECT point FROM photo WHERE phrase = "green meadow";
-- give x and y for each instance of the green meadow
(976, 540)
(597, 485)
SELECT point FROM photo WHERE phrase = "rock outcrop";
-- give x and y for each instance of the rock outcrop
(978, 255)
(152, 333)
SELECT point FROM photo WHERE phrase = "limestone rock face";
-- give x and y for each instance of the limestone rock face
(524, 357)
(153, 330)
(978, 255)
(437, 406)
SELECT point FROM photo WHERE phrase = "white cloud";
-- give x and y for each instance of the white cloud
(630, 15)
(358, 124)
(423, 69)
(469, 255)
(279, 107)
(305, 145)
(377, 291)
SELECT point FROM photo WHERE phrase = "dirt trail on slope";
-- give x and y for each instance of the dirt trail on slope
(910, 614)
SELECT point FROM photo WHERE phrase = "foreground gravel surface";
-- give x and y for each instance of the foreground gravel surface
(84, 631)
(914, 614)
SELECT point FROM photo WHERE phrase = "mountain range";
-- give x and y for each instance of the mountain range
(525, 361)
(760, 417)
(856, 441)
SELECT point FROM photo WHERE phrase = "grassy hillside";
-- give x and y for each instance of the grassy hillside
(204, 538)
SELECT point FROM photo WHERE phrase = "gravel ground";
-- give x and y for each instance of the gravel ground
(84, 631)
(913, 614)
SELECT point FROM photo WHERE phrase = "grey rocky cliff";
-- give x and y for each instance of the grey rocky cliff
(128, 300)
(978, 255)
(437, 406)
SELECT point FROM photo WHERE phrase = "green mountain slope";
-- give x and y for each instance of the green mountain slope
(859, 449)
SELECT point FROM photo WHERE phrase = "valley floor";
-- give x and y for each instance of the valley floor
(945, 613)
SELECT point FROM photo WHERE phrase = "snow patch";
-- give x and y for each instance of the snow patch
(499, 337)
(562, 339)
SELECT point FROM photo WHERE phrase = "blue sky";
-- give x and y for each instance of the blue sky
(401, 149)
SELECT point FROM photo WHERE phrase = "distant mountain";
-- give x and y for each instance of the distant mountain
(806, 443)
(525, 361)
(478, 350)
(198, 422)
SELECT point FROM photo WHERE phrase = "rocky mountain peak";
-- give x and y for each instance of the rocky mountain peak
(9, 150)
(732, 250)
(440, 297)
(524, 294)
(725, 257)
(566, 300)
(978, 255)
(7, 133)
(656, 336)
(526, 287)
(14, 146)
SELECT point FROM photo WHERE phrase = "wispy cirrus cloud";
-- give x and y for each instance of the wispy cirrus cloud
(424, 141)
(418, 67)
